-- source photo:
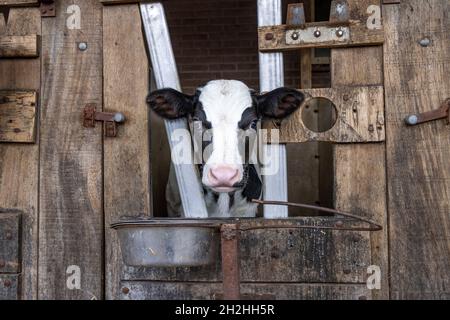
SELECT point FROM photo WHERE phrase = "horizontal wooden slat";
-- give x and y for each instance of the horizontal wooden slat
(9, 287)
(18, 116)
(360, 117)
(18, 3)
(359, 35)
(150, 290)
(19, 46)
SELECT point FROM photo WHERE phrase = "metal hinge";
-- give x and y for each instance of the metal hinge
(110, 120)
(443, 112)
(48, 8)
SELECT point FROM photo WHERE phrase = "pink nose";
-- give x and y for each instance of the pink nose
(223, 176)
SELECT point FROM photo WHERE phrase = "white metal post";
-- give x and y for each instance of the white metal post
(271, 76)
(166, 76)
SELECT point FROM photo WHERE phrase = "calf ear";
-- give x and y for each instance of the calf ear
(170, 103)
(279, 103)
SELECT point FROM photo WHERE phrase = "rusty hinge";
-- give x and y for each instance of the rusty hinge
(443, 112)
(48, 8)
(110, 120)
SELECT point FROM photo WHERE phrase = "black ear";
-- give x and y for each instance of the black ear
(279, 103)
(170, 103)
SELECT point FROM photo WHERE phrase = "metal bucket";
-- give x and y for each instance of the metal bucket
(169, 242)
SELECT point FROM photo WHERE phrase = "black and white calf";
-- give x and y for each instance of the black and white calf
(227, 108)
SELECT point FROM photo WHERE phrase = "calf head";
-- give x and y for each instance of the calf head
(225, 108)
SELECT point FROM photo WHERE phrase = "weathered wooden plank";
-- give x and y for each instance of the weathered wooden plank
(19, 162)
(360, 181)
(148, 290)
(10, 242)
(18, 111)
(19, 46)
(14, 3)
(418, 157)
(297, 255)
(126, 157)
(71, 215)
(9, 287)
(277, 38)
(360, 117)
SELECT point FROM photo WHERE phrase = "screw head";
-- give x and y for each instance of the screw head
(82, 46)
(412, 119)
(7, 283)
(317, 33)
(125, 290)
(295, 35)
(339, 33)
(269, 36)
(371, 128)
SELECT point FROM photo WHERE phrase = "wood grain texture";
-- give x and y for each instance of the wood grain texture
(19, 162)
(359, 36)
(14, 3)
(360, 180)
(10, 242)
(282, 255)
(126, 157)
(19, 46)
(71, 217)
(148, 290)
(360, 116)
(18, 116)
(418, 166)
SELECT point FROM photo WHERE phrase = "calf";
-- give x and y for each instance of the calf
(229, 110)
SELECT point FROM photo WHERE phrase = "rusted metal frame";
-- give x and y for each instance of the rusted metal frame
(230, 261)
(48, 8)
(443, 112)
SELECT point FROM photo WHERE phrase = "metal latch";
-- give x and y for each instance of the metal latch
(443, 112)
(110, 120)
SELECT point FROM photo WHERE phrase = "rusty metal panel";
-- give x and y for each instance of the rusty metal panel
(9, 243)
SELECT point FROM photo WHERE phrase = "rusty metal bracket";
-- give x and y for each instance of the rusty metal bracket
(48, 8)
(295, 16)
(110, 120)
(443, 112)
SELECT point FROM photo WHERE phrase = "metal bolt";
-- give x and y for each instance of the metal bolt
(125, 290)
(339, 33)
(411, 120)
(339, 224)
(7, 283)
(294, 36)
(317, 33)
(269, 36)
(371, 128)
(119, 117)
(82, 46)
(425, 42)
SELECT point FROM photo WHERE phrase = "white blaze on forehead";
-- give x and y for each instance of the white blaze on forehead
(224, 101)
